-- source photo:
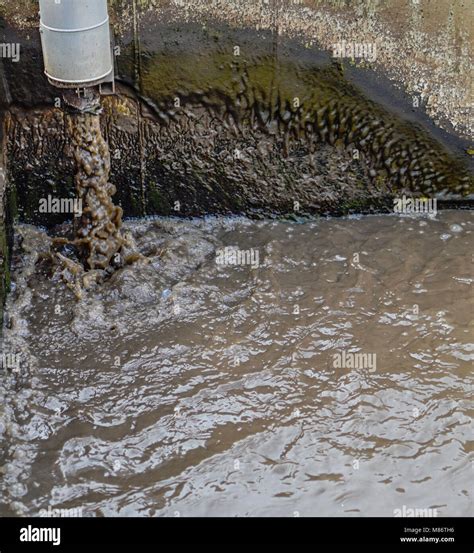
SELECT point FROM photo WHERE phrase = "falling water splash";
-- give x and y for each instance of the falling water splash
(98, 235)
(99, 246)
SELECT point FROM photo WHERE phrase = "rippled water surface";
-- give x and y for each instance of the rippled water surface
(186, 387)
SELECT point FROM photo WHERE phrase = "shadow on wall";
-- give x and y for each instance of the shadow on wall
(220, 119)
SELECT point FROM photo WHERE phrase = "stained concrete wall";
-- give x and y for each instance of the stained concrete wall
(425, 46)
(198, 129)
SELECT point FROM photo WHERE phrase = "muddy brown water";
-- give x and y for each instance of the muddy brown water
(187, 387)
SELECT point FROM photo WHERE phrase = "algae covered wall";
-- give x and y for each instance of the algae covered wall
(425, 46)
(239, 107)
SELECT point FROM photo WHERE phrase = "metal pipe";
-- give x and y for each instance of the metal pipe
(75, 38)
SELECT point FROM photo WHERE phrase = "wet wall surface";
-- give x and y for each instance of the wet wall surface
(6, 207)
(425, 47)
(211, 118)
(5, 226)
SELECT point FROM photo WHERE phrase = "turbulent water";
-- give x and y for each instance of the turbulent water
(186, 387)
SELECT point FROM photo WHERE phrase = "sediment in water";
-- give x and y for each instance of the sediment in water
(250, 376)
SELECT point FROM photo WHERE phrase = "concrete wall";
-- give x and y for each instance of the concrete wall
(198, 129)
(6, 209)
(425, 46)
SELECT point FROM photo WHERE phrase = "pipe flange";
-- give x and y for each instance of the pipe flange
(83, 100)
